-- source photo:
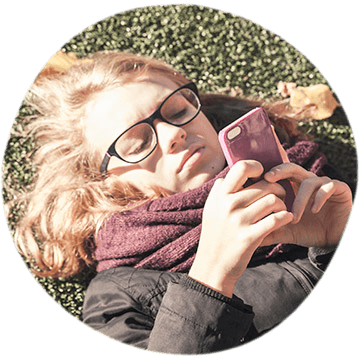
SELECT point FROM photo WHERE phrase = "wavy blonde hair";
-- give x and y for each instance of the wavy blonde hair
(70, 198)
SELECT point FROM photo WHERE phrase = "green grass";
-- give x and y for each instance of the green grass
(215, 49)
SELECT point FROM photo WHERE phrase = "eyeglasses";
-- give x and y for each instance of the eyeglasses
(140, 140)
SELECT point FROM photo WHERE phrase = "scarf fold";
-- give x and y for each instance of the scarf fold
(163, 234)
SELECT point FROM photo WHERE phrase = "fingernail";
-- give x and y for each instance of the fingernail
(271, 173)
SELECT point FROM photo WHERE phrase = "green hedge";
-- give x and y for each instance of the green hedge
(215, 49)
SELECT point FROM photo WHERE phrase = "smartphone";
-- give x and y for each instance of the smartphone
(251, 137)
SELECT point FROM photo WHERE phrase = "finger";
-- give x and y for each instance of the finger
(271, 223)
(290, 171)
(263, 207)
(304, 194)
(323, 194)
(257, 191)
(240, 173)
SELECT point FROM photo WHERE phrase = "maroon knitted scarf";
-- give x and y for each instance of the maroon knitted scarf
(163, 234)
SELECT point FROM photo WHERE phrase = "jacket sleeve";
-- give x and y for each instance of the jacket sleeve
(190, 318)
(196, 319)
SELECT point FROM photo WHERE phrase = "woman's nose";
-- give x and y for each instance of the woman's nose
(170, 137)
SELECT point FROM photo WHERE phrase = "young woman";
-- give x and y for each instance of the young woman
(131, 177)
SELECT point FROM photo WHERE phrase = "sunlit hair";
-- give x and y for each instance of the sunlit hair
(70, 198)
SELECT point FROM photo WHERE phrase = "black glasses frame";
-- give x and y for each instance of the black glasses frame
(149, 120)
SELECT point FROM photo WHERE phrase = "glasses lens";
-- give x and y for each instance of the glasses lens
(136, 143)
(181, 107)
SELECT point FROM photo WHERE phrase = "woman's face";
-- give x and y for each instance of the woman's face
(185, 157)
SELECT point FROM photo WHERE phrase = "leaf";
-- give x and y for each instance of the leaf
(59, 64)
(315, 101)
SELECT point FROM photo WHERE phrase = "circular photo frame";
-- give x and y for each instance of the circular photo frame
(236, 65)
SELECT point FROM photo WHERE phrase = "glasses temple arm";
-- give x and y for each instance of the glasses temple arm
(105, 163)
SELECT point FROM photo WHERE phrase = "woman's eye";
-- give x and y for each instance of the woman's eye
(134, 145)
(177, 115)
(141, 147)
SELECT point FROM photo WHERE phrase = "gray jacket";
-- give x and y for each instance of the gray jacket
(170, 312)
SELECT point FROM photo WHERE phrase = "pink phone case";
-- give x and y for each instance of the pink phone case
(251, 138)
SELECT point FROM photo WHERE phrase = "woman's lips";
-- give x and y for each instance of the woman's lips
(190, 158)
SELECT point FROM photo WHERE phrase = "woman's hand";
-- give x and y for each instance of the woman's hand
(321, 208)
(235, 222)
